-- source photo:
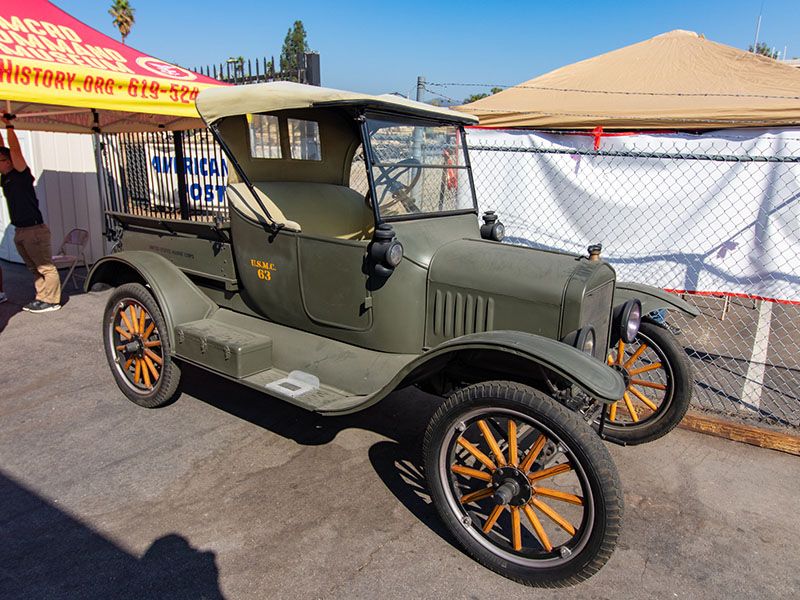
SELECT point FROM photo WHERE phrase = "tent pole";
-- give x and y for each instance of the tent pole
(180, 171)
(98, 163)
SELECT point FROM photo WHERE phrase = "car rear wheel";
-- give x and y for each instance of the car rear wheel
(659, 387)
(523, 484)
(137, 349)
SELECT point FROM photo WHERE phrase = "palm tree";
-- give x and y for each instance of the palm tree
(122, 12)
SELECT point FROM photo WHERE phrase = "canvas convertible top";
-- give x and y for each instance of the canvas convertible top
(215, 104)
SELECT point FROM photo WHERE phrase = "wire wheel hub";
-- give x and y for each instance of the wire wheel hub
(512, 487)
(626, 376)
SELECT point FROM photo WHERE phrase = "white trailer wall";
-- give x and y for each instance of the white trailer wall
(66, 184)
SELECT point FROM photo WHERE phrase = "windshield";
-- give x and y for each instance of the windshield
(418, 168)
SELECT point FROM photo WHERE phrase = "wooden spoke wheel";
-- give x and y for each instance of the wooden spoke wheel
(659, 386)
(137, 351)
(523, 484)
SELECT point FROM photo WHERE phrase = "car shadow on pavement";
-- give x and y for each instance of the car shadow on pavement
(46, 553)
(402, 417)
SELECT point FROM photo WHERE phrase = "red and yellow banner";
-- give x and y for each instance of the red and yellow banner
(49, 57)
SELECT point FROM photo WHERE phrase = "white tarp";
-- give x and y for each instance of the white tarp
(676, 223)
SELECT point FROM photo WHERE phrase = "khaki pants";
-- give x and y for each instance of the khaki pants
(33, 245)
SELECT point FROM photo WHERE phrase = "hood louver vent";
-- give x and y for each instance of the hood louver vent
(456, 314)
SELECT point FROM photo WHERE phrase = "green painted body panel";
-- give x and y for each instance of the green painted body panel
(652, 298)
(333, 285)
(191, 254)
(588, 300)
(477, 285)
(318, 285)
(422, 238)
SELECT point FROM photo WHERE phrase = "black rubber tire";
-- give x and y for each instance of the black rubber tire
(165, 391)
(674, 407)
(587, 449)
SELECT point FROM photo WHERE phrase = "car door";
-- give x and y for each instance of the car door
(333, 283)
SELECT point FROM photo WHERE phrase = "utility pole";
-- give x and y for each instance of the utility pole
(417, 146)
(758, 29)
(417, 150)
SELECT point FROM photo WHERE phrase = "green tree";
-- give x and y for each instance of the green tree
(237, 64)
(763, 49)
(122, 12)
(475, 97)
(294, 45)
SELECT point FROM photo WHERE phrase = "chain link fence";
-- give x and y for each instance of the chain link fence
(714, 217)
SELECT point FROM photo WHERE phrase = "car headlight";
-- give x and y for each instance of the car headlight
(492, 229)
(498, 232)
(583, 339)
(628, 318)
(385, 252)
(394, 254)
(586, 339)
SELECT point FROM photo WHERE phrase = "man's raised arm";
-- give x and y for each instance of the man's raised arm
(13, 144)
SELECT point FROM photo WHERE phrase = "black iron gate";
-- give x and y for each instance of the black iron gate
(165, 175)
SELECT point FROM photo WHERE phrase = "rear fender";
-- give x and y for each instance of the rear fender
(652, 298)
(179, 299)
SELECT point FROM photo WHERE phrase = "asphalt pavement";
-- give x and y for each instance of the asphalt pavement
(230, 494)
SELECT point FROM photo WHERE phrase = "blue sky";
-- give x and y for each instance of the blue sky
(378, 47)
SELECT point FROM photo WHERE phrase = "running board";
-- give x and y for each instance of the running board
(311, 371)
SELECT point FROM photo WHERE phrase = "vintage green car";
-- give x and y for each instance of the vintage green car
(330, 298)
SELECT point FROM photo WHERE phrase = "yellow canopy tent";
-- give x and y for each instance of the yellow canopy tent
(58, 74)
(676, 80)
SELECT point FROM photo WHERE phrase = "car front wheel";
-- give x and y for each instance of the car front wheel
(659, 387)
(523, 484)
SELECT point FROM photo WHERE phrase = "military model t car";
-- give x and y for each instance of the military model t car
(330, 298)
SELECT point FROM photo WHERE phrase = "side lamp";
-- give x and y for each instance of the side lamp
(492, 229)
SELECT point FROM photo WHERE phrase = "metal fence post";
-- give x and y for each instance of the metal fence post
(417, 131)
(180, 171)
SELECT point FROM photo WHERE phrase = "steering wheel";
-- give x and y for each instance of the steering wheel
(388, 178)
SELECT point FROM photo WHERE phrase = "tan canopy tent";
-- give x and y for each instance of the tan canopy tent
(58, 74)
(676, 80)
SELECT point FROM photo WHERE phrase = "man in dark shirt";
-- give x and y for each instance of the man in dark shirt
(32, 236)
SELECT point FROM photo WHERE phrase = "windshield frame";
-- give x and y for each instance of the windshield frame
(370, 163)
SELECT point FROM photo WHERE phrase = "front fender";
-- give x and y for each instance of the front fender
(178, 298)
(597, 379)
(652, 298)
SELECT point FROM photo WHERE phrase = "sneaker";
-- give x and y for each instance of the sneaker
(3, 297)
(37, 306)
